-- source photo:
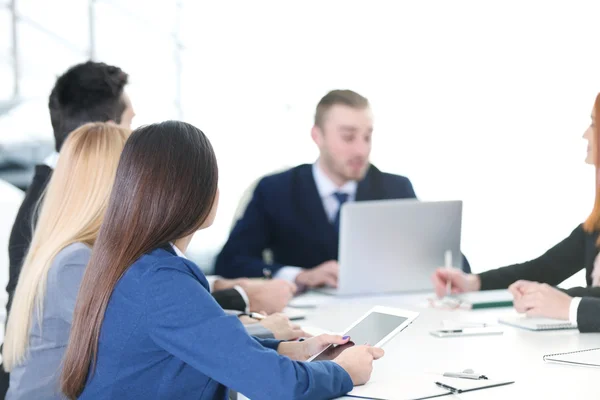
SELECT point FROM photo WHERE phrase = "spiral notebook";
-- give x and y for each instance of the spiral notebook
(538, 324)
(585, 358)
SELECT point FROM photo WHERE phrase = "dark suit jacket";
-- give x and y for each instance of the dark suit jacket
(286, 215)
(576, 252)
(20, 235)
(588, 315)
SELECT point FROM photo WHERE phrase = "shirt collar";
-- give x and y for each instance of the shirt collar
(326, 187)
(177, 251)
(51, 160)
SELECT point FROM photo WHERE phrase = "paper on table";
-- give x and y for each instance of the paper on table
(471, 384)
(404, 387)
(294, 313)
(587, 357)
(418, 386)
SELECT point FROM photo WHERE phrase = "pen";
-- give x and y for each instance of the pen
(464, 375)
(254, 315)
(450, 388)
(448, 264)
(257, 316)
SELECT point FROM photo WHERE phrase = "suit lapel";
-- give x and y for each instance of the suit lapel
(309, 207)
(370, 188)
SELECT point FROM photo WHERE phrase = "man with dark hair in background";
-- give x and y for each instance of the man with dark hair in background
(95, 92)
(87, 92)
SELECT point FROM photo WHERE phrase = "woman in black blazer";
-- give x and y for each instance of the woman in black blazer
(532, 282)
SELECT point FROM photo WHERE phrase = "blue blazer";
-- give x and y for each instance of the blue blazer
(286, 215)
(164, 337)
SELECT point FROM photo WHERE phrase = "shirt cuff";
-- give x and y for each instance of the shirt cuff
(288, 273)
(211, 281)
(573, 309)
(242, 293)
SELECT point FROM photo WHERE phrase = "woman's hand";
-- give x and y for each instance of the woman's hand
(302, 351)
(540, 300)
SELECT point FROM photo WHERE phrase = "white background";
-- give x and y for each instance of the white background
(483, 101)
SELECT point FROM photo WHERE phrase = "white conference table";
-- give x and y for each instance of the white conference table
(515, 355)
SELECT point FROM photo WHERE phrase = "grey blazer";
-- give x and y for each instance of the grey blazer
(37, 377)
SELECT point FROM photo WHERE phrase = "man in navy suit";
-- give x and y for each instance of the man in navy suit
(295, 214)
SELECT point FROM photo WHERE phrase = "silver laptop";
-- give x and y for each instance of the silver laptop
(391, 246)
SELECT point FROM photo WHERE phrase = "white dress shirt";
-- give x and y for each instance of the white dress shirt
(51, 160)
(326, 189)
(573, 309)
(213, 278)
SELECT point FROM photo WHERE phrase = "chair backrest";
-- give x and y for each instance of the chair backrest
(247, 196)
(10, 200)
(243, 203)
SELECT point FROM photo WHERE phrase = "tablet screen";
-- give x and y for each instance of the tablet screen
(370, 331)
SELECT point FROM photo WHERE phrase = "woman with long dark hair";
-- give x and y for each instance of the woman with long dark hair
(145, 325)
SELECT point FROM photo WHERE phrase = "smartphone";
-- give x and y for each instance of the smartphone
(482, 331)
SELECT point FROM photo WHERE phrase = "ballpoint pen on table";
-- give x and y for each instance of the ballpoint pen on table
(254, 315)
(453, 391)
(465, 375)
(448, 387)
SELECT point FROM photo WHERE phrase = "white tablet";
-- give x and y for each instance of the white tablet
(375, 328)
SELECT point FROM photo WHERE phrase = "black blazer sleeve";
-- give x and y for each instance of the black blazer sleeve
(230, 299)
(590, 291)
(588, 315)
(21, 233)
(554, 266)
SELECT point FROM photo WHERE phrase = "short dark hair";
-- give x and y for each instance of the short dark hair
(87, 92)
(338, 97)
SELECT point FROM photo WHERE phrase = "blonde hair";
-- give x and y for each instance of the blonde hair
(72, 211)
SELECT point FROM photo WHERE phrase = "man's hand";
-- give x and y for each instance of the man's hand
(540, 300)
(325, 274)
(268, 296)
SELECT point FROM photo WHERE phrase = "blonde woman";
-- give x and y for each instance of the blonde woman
(69, 220)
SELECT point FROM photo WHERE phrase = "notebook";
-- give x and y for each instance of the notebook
(537, 324)
(585, 358)
(474, 300)
(486, 299)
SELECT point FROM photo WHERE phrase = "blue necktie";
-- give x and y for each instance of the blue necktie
(341, 198)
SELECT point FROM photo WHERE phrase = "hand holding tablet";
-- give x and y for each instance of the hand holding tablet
(354, 352)
(375, 328)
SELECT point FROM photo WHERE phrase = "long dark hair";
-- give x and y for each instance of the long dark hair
(164, 189)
